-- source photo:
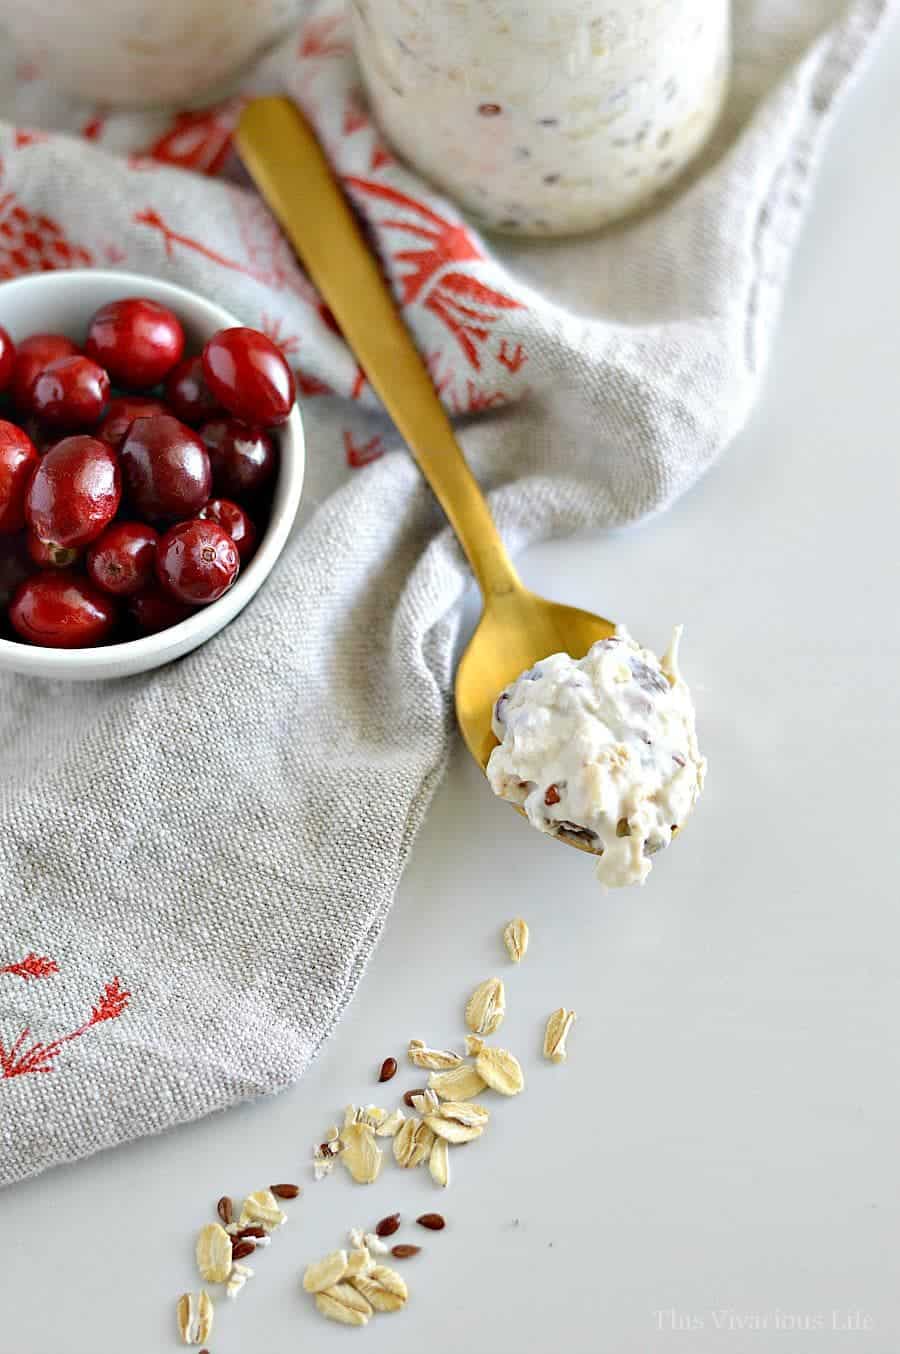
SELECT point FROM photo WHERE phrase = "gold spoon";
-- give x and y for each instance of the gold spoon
(517, 628)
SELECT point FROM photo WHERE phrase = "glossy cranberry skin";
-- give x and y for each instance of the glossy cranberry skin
(187, 394)
(153, 610)
(70, 394)
(166, 468)
(249, 377)
(33, 354)
(197, 562)
(242, 458)
(46, 555)
(7, 358)
(137, 340)
(15, 566)
(75, 492)
(61, 611)
(235, 521)
(122, 561)
(121, 414)
(19, 458)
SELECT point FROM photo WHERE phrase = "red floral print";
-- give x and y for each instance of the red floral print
(355, 114)
(381, 157)
(199, 141)
(474, 401)
(362, 453)
(511, 358)
(22, 1057)
(308, 384)
(150, 217)
(29, 136)
(32, 243)
(289, 344)
(93, 128)
(32, 966)
(465, 305)
(325, 36)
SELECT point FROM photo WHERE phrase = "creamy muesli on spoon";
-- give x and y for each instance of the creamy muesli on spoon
(602, 749)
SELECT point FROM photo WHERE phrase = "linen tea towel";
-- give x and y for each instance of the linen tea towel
(195, 864)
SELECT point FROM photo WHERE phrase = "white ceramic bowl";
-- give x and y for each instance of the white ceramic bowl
(64, 302)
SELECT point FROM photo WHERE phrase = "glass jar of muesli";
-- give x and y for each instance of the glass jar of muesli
(546, 117)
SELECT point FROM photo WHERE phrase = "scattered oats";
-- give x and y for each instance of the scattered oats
(239, 1276)
(195, 1318)
(462, 1083)
(325, 1153)
(426, 1102)
(360, 1240)
(432, 1059)
(515, 938)
(474, 1045)
(213, 1252)
(368, 1241)
(359, 1261)
(322, 1274)
(412, 1144)
(323, 1165)
(500, 1070)
(361, 1154)
(556, 1033)
(390, 1126)
(458, 1122)
(371, 1115)
(383, 1288)
(262, 1208)
(439, 1162)
(343, 1303)
(486, 1007)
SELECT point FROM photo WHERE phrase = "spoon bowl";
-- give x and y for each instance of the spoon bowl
(512, 635)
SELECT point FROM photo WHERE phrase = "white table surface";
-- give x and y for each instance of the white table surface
(722, 1146)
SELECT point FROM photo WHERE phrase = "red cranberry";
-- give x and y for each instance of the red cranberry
(166, 467)
(235, 521)
(121, 414)
(33, 354)
(122, 560)
(19, 459)
(75, 492)
(248, 375)
(242, 458)
(61, 611)
(43, 437)
(154, 610)
(7, 358)
(46, 555)
(197, 562)
(70, 393)
(137, 340)
(187, 394)
(15, 566)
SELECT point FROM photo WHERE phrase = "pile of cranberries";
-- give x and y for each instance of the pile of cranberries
(134, 480)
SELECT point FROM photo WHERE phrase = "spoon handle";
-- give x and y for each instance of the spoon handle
(289, 167)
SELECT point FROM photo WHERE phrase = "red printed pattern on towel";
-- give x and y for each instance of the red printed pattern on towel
(465, 305)
(23, 1057)
(31, 243)
(199, 141)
